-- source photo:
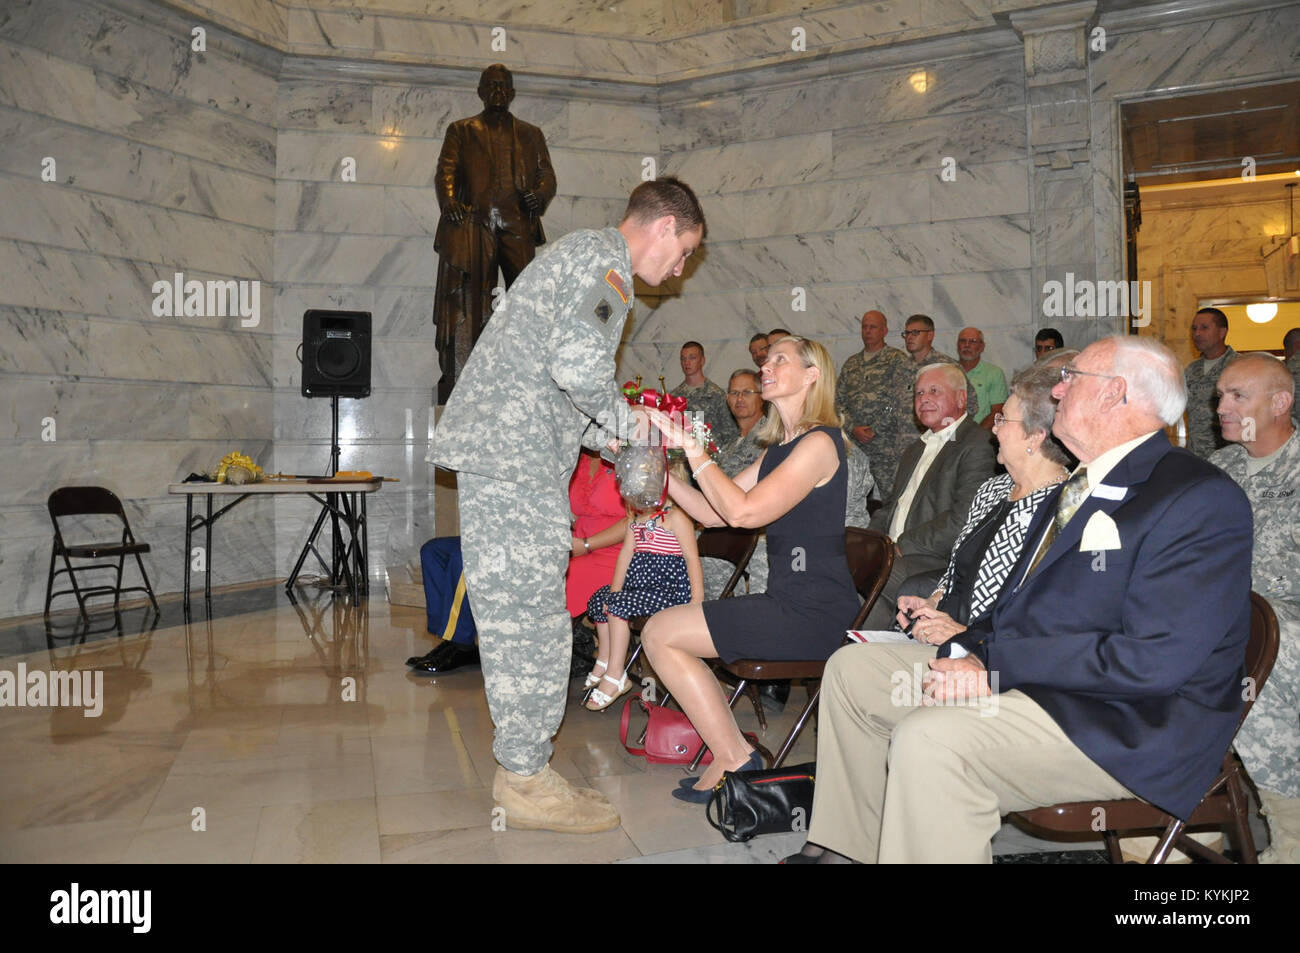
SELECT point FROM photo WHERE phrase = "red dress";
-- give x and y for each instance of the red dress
(596, 504)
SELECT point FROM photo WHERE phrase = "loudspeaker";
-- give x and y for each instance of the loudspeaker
(336, 353)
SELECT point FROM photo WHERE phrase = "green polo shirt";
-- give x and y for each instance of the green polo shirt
(990, 386)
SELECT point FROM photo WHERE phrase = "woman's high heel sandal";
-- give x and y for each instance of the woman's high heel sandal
(593, 679)
(601, 700)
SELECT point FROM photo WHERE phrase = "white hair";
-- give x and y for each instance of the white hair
(1153, 375)
(953, 375)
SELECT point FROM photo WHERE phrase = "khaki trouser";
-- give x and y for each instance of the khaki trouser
(898, 783)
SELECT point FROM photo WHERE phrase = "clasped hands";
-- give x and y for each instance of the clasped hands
(459, 212)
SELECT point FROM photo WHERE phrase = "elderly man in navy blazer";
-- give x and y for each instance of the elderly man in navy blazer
(1111, 666)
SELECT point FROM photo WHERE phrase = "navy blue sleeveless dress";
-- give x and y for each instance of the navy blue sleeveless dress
(810, 598)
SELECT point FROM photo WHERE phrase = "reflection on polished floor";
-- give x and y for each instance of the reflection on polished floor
(282, 732)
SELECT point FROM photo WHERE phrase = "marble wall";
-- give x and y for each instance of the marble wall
(824, 172)
(830, 193)
(159, 160)
(1192, 249)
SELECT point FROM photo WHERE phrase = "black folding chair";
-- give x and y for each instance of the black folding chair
(70, 501)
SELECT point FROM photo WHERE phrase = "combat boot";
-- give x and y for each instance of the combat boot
(547, 802)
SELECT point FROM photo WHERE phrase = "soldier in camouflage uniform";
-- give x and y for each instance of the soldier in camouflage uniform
(1263, 457)
(1209, 329)
(705, 397)
(745, 401)
(540, 375)
(873, 384)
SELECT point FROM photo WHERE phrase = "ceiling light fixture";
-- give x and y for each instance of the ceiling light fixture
(1262, 312)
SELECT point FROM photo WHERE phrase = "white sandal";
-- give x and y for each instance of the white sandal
(600, 700)
(593, 679)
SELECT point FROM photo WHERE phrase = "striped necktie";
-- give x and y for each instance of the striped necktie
(1072, 495)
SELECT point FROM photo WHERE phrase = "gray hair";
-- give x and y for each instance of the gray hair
(1033, 385)
(744, 370)
(1058, 358)
(953, 375)
(1154, 377)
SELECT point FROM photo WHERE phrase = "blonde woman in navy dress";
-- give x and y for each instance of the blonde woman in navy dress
(797, 489)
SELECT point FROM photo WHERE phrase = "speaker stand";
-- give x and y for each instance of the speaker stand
(348, 563)
(334, 436)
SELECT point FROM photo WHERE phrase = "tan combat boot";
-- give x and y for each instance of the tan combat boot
(547, 802)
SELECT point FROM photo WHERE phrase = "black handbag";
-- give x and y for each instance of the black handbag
(747, 803)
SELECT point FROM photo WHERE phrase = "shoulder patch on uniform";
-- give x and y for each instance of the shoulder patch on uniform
(615, 281)
(603, 311)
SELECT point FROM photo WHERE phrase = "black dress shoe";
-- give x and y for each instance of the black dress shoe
(774, 695)
(433, 655)
(446, 657)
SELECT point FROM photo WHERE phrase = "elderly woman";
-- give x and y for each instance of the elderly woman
(990, 542)
(797, 489)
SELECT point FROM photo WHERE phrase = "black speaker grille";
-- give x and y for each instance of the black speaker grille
(338, 359)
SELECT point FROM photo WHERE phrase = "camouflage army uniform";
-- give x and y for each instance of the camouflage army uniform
(1203, 435)
(870, 392)
(541, 372)
(1269, 741)
(710, 400)
(739, 453)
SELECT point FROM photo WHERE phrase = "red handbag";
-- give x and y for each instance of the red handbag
(669, 736)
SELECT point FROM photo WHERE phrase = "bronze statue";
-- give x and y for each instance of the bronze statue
(494, 182)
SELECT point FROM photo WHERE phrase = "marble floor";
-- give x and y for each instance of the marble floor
(282, 732)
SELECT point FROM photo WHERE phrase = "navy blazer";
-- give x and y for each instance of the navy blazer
(1138, 652)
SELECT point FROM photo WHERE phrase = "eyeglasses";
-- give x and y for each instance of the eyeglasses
(999, 420)
(743, 393)
(1068, 372)
(914, 333)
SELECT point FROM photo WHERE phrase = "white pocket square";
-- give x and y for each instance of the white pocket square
(1100, 534)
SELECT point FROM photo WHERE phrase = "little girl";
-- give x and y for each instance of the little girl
(658, 567)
